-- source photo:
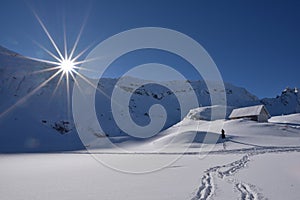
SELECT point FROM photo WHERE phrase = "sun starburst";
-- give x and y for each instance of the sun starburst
(63, 66)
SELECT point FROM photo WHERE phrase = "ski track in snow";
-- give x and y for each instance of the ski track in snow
(247, 191)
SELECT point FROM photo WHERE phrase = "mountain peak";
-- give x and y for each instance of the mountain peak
(290, 90)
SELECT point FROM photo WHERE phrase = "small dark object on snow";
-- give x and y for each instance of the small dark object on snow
(62, 127)
(223, 134)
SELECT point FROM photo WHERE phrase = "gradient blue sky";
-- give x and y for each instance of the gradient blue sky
(255, 44)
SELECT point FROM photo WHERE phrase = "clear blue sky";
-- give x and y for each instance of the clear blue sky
(255, 44)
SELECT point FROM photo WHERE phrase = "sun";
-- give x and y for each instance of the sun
(64, 64)
(67, 65)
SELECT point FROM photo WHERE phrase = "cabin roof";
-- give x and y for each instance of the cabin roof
(247, 111)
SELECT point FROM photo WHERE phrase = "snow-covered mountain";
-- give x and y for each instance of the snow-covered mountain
(288, 102)
(151, 94)
(41, 120)
(32, 120)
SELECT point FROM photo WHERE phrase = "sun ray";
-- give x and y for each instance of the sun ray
(87, 60)
(46, 70)
(64, 62)
(65, 42)
(49, 36)
(68, 93)
(85, 79)
(85, 69)
(78, 37)
(47, 51)
(44, 61)
(58, 83)
(23, 99)
(76, 82)
(91, 84)
(82, 52)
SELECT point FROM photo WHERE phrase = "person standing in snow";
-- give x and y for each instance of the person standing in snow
(223, 134)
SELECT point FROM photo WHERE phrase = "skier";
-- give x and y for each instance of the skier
(223, 134)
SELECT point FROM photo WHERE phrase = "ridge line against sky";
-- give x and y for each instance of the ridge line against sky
(255, 44)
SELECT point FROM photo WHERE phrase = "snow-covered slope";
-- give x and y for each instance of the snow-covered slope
(287, 119)
(239, 169)
(33, 120)
(151, 94)
(240, 133)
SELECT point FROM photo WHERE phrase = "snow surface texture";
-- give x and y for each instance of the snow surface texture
(255, 161)
(250, 164)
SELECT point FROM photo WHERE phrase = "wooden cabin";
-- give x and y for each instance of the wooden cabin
(256, 113)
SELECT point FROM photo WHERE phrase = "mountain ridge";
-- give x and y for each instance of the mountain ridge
(46, 116)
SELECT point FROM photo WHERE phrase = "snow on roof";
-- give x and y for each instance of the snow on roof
(247, 111)
(205, 113)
